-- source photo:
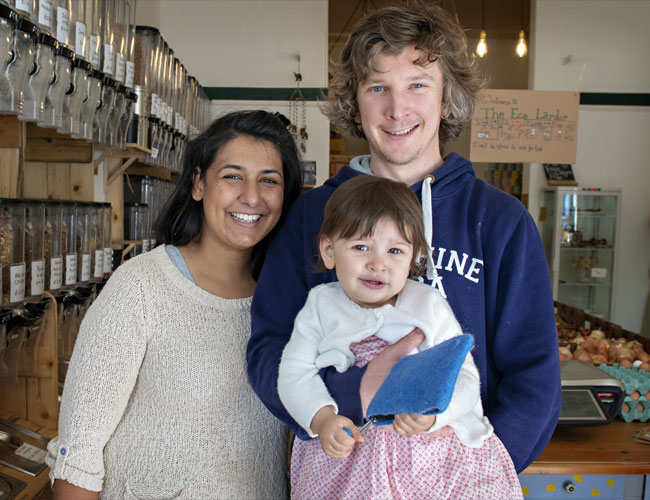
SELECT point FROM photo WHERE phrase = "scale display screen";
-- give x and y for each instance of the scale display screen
(580, 405)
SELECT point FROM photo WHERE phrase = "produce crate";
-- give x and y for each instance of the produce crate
(576, 318)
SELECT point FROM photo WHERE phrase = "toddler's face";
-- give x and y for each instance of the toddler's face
(374, 269)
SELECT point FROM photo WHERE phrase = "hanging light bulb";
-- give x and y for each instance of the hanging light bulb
(481, 48)
(521, 44)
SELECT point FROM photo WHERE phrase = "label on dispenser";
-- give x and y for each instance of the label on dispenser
(38, 277)
(98, 272)
(56, 273)
(108, 259)
(119, 67)
(62, 25)
(85, 267)
(24, 5)
(17, 285)
(154, 153)
(71, 269)
(80, 39)
(108, 60)
(154, 105)
(130, 74)
(145, 246)
(31, 452)
(45, 12)
(94, 50)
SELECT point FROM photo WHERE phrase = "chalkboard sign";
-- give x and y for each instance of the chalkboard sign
(559, 174)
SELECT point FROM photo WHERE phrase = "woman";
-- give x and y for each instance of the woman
(157, 404)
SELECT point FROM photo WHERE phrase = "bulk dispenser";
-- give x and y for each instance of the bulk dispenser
(53, 244)
(17, 67)
(53, 105)
(68, 244)
(12, 260)
(108, 247)
(144, 58)
(97, 241)
(39, 78)
(34, 249)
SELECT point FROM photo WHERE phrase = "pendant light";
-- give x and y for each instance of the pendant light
(481, 48)
(521, 44)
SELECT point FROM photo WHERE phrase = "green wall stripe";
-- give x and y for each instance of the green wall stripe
(261, 94)
(315, 94)
(614, 99)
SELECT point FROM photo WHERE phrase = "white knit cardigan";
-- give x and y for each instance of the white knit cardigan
(157, 402)
(330, 322)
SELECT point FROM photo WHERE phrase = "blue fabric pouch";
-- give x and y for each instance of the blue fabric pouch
(421, 383)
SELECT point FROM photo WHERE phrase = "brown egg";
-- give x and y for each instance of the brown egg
(639, 408)
(635, 395)
(645, 367)
(626, 408)
(643, 356)
(626, 363)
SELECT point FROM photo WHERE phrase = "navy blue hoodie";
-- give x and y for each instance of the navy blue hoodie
(491, 268)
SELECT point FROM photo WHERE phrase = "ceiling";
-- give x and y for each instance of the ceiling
(503, 18)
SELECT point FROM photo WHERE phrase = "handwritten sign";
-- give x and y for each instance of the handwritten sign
(525, 126)
(559, 175)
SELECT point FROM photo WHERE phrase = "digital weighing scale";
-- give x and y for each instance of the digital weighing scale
(589, 395)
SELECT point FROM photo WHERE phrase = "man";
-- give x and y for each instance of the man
(407, 85)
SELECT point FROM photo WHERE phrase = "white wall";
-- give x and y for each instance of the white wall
(250, 43)
(608, 42)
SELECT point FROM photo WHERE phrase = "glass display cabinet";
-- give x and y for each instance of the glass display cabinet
(579, 228)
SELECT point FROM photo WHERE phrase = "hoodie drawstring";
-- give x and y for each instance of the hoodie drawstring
(428, 225)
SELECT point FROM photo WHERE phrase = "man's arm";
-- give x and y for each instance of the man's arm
(522, 334)
(281, 291)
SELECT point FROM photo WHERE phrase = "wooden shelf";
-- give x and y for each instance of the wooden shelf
(130, 153)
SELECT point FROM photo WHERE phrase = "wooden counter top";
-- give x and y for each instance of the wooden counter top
(597, 449)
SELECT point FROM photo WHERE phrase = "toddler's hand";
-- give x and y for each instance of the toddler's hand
(330, 427)
(410, 424)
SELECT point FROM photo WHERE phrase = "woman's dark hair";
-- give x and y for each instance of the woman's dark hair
(356, 207)
(181, 218)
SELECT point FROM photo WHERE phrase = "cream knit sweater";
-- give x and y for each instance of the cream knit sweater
(157, 403)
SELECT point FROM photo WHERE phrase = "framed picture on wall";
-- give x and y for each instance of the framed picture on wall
(309, 173)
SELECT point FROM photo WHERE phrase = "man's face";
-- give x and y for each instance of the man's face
(400, 105)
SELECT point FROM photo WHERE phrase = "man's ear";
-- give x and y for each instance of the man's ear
(327, 252)
(197, 185)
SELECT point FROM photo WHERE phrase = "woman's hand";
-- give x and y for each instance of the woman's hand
(330, 427)
(63, 490)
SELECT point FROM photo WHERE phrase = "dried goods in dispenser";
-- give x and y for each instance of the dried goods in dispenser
(68, 243)
(34, 249)
(12, 240)
(82, 242)
(108, 248)
(52, 246)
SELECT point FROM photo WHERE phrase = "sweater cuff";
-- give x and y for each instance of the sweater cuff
(57, 459)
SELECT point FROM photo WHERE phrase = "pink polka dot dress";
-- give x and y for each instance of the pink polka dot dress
(388, 466)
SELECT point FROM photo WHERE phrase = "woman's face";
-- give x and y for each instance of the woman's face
(242, 193)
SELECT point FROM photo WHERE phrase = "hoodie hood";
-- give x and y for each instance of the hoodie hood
(449, 177)
(446, 180)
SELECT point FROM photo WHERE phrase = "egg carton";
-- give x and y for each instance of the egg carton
(637, 391)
